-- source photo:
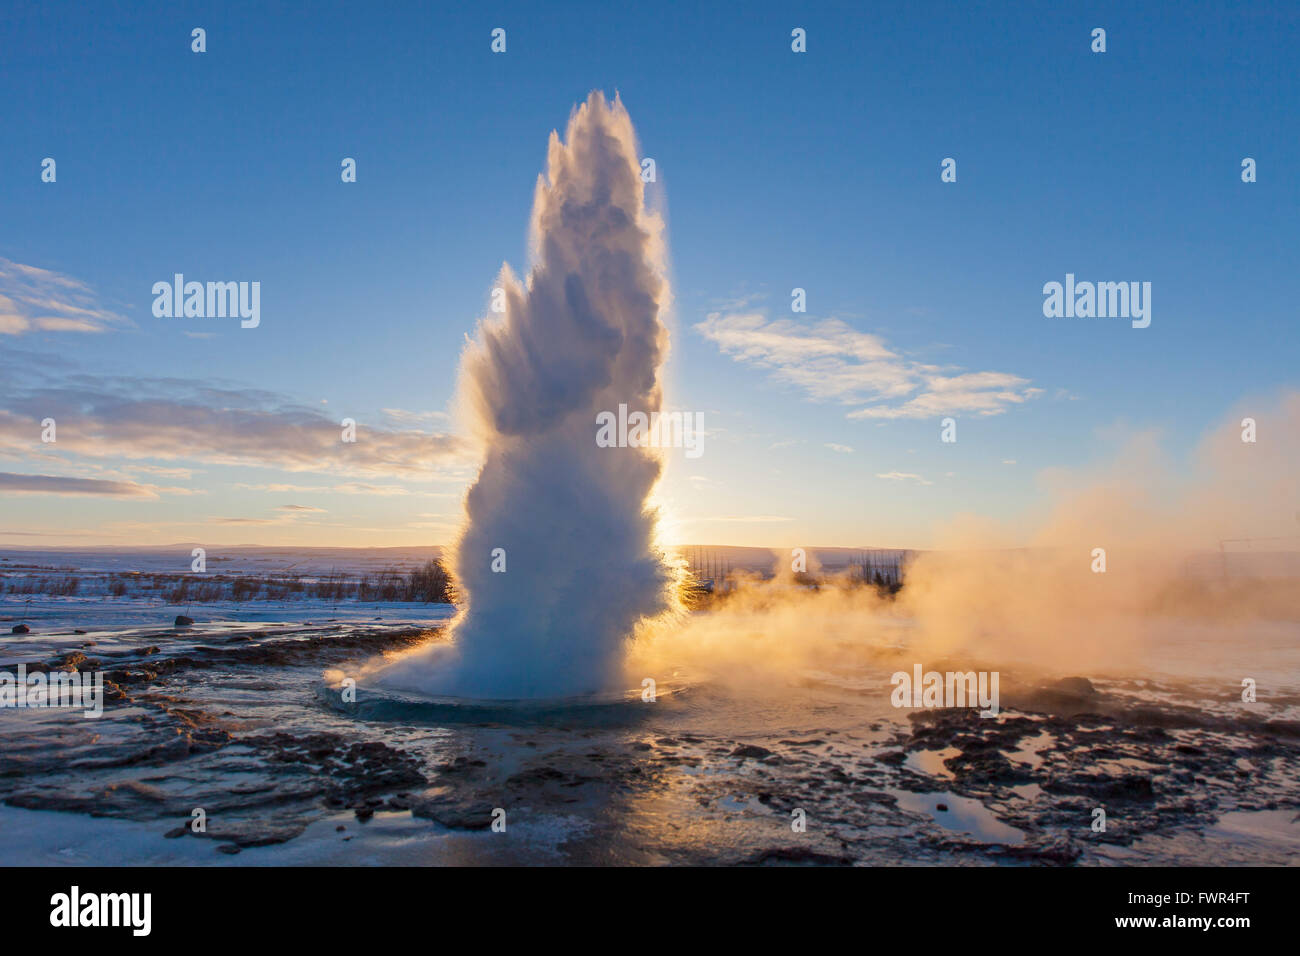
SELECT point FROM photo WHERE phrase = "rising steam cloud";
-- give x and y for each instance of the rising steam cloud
(567, 520)
(1026, 592)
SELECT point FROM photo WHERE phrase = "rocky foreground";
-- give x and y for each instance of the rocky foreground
(235, 724)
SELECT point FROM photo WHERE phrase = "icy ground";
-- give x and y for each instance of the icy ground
(233, 716)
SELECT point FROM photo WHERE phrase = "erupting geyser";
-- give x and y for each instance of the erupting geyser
(557, 561)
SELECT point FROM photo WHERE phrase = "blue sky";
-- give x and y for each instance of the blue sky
(777, 170)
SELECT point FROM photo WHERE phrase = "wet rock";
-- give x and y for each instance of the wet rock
(1060, 852)
(460, 765)
(1283, 728)
(228, 848)
(537, 775)
(183, 621)
(255, 833)
(986, 765)
(20, 629)
(797, 855)
(874, 796)
(71, 661)
(351, 773)
(455, 813)
(750, 750)
(1127, 787)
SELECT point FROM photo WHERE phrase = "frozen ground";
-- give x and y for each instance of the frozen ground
(233, 716)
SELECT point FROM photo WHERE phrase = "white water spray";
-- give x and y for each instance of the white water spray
(557, 560)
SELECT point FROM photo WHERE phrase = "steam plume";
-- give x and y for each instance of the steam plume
(577, 538)
(1026, 592)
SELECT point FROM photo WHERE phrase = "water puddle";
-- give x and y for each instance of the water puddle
(963, 814)
(930, 762)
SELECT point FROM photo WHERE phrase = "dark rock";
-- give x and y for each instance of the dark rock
(183, 621)
(20, 629)
(750, 750)
(252, 834)
(69, 662)
(1283, 728)
(797, 855)
(1076, 687)
(1059, 852)
(942, 807)
(455, 814)
(982, 763)
(228, 848)
(1132, 786)
(874, 796)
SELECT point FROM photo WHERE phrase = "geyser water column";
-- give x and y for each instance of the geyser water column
(557, 560)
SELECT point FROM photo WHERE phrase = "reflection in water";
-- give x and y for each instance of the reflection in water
(240, 722)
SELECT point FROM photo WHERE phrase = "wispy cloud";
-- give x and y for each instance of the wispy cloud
(904, 476)
(359, 488)
(11, 483)
(408, 419)
(288, 514)
(167, 419)
(756, 519)
(833, 362)
(38, 300)
(347, 488)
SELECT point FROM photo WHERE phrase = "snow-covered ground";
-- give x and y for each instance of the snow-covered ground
(235, 715)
